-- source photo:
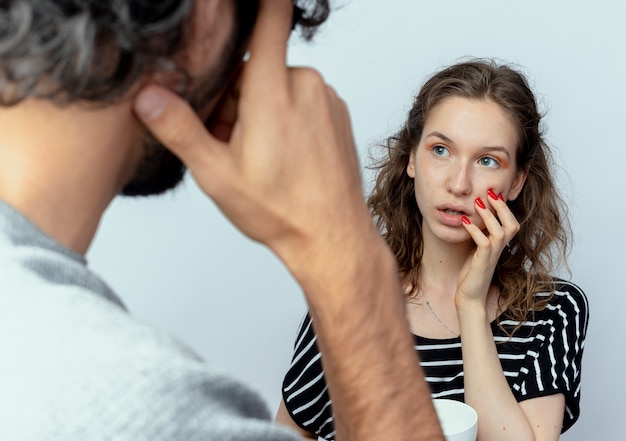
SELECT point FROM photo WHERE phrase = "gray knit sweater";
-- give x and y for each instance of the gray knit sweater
(74, 365)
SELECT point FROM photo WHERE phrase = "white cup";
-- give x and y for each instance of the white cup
(459, 421)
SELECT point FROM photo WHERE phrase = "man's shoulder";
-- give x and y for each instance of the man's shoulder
(78, 363)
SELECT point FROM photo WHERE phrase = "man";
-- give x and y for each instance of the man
(279, 160)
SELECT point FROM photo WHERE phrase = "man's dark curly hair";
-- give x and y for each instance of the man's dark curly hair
(96, 50)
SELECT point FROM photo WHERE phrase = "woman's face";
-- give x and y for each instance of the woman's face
(467, 147)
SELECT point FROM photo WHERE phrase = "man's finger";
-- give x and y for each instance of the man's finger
(268, 46)
(175, 124)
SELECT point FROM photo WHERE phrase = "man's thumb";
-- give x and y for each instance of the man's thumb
(173, 122)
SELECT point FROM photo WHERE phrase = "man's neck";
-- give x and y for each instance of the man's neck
(62, 166)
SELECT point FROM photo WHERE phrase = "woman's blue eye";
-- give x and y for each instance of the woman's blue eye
(488, 161)
(440, 150)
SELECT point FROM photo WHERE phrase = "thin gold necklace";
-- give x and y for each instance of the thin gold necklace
(430, 308)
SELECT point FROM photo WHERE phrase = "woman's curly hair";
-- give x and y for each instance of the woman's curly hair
(96, 50)
(541, 245)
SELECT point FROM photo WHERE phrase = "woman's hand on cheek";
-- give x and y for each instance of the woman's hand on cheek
(476, 275)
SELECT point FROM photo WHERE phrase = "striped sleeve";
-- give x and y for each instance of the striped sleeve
(304, 390)
(554, 364)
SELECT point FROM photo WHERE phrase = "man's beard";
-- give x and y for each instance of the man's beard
(159, 169)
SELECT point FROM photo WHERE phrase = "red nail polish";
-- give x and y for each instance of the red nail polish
(492, 194)
(480, 203)
(466, 220)
(501, 197)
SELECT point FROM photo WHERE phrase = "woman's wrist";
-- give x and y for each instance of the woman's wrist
(473, 310)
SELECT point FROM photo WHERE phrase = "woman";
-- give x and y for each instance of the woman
(466, 199)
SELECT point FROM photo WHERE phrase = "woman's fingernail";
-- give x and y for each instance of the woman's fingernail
(501, 197)
(466, 220)
(480, 203)
(492, 194)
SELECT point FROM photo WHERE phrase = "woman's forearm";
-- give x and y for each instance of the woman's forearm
(500, 417)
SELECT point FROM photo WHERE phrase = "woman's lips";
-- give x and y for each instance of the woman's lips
(453, 212)
(451, 216)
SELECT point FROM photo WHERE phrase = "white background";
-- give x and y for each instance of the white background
(179, 264)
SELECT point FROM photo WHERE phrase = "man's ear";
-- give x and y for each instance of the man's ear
(204, 28)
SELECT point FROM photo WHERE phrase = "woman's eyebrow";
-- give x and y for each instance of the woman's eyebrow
(497, 148)
(440, 136)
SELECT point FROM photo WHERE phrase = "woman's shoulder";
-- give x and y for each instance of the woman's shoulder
(564, 293)
(564, 300)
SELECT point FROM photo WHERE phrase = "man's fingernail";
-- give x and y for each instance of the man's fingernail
(149, 105)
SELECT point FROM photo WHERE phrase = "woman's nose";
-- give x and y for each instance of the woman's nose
(459, 180)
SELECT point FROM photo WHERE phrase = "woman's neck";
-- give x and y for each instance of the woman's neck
(441, 264)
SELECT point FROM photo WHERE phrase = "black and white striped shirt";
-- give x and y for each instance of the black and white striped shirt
(542, 358)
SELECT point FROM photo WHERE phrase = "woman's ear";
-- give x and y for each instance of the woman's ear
(410, 167)
(518, 184)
